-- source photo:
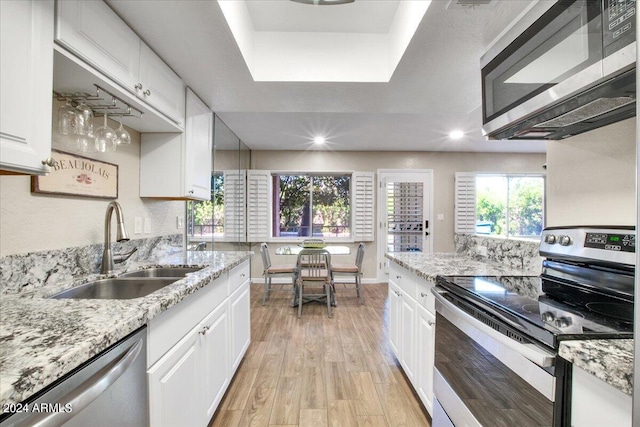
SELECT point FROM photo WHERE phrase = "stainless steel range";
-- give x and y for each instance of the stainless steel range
(497, 338)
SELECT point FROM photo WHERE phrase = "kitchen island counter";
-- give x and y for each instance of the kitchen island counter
(42, 339)
(608, 360)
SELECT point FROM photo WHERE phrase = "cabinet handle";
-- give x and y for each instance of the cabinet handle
(146, 92)
(138, 86)
(431, 322)
(242, 275)
(49, 161)
(422, 294)
(204, 330)
(398, 277)
(190, 191)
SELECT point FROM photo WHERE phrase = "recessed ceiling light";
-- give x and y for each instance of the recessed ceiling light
(456, 134)
(319, 140)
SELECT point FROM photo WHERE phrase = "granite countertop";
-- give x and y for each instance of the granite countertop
(428, 266)
(42, 339)
(608, 360)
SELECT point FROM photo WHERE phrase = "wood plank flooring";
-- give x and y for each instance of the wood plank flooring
(316, 371)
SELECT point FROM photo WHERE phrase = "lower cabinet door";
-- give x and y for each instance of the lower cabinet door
(215, 357)
(240, 324)
(395, 301)
(425, 342)
(174, 398)
(408, 337)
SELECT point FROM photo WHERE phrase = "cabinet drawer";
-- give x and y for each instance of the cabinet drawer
(402, 277)
(424, 296)
(169, 327)
(238, 276)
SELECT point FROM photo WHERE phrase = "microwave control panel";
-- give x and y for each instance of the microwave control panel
(619, 24)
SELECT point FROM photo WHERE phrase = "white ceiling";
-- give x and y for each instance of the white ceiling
(434, 89)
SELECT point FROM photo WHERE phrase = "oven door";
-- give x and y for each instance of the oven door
(485, 378)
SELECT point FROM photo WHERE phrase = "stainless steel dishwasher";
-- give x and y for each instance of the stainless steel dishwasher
(109, 390)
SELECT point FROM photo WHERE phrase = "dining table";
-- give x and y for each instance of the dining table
(295, 249)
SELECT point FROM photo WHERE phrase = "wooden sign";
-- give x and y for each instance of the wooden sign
(78, 176)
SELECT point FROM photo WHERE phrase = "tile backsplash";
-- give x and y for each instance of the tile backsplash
(515, 253)
(25, 272)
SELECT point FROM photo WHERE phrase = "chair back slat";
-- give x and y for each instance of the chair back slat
(264, 253)
(314, 264)
(360, 256)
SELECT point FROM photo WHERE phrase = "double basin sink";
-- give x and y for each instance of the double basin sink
(130, 285)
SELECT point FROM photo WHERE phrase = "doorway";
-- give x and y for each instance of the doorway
(405, 210)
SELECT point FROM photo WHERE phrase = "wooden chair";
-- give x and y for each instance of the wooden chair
(313, 272)
(354, 270)
(270, 271)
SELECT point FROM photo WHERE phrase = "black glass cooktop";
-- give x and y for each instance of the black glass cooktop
(545, 316)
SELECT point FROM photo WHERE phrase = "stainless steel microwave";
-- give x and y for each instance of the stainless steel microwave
(570, 71)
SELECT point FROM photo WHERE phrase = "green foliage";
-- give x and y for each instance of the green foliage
(491, 208)
(331, 201)
(525, 207)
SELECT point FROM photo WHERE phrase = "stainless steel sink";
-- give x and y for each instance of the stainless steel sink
(118, 288)
(162, 272)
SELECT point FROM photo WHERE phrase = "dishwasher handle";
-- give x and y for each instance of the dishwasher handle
(88, 391)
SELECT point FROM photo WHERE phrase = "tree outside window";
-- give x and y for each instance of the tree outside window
(206, 218)
(509, 206)
(311, 205)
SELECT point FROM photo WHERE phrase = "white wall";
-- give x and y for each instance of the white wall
(32, 222)
(591, 177)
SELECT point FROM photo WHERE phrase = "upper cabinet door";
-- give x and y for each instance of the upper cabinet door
(199, 143)
(160, 86)
(96, 34)
(26, 55)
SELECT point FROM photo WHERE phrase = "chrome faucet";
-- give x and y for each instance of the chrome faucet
(121, 236)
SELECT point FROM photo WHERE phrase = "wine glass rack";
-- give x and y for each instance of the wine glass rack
(102, 102)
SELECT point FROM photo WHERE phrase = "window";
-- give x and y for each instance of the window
(205, 219)
(500, 205)
(306, 205)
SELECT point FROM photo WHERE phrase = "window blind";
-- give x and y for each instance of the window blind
(234, 205)
(465, 203)
(258, 205)
(363, 203)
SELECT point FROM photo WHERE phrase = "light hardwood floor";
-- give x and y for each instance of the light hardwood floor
(316, 371)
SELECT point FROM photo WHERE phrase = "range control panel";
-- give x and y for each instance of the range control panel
(611, 242)
(607, 244)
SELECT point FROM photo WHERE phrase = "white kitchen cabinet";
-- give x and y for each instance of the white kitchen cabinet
(425, 356)
(178, 166)
(194, 349)
(402, 321)
(95, 33)
(172, 381)
(240, 323)
(215, 363)
(395, 301)
(411, 329)
(26, 55)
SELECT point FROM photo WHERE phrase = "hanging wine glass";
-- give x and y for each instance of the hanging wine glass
(85, 119)
(67, 119)
(122, 136)
(105, 137)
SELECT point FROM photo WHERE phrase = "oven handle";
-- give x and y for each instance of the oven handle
(531, 352)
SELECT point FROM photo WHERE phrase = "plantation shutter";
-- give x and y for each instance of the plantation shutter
(258, 205)
(234, 205)
(363, 204)
(465, 203)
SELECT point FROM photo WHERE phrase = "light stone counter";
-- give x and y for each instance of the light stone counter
(609, 360)
(42, 339)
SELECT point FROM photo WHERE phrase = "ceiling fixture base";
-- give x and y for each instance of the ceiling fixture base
(323, 2)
